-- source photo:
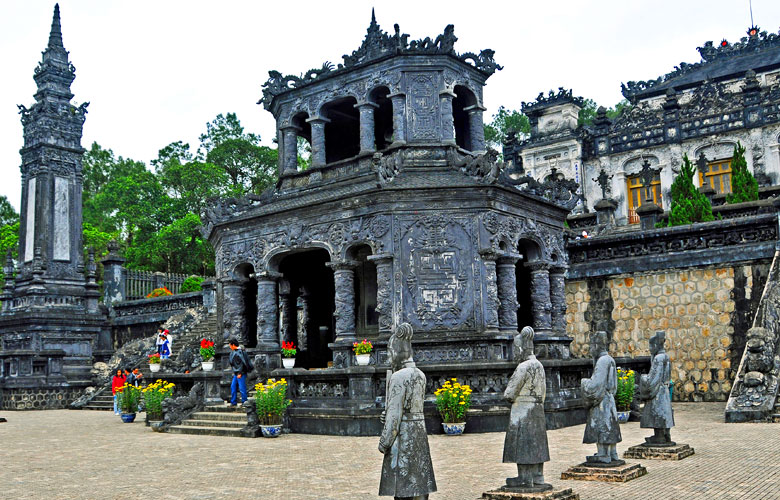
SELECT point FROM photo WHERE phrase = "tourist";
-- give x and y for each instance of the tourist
(117, 382)
(165, 347)
(170, 339)
(159, 341)
(241, 366)
(135, 377)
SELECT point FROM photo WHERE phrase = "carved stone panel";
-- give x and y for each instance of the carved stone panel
(29, 238)
(422, 106)
(436, 263)
(61, 218)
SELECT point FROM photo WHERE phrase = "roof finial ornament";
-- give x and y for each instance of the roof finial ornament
(55, 37)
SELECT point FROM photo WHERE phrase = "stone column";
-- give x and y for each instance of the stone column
(399, 118)
(318, 158)
(267, 311)
(447, 122)
(209, 290)
(491, 302)
(290, 150)
(476, 127)
(540, 296)
(114, 277)
(558, 299)
(344, 279)
(286, 312)
(367, 133)
(507, 294)
(233, 310)
(384, 292)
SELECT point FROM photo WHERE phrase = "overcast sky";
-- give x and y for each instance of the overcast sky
(155, 72)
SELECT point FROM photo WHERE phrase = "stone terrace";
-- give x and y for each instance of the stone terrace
(63, 454)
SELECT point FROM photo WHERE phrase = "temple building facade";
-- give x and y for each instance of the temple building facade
(703, 110)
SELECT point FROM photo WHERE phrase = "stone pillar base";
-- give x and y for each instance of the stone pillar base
(677, 452)
(267, 357)
(611, 474)
(508, 493)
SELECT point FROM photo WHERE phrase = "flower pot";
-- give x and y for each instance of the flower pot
(453, 429)
(272, 431)
(623, 416)
(128, 418)
(207, 366)
(363, 359)
(288, 363)
(154, 367)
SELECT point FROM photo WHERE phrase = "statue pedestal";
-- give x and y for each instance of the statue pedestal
(509, 493)
(676, 452)
(611, 474)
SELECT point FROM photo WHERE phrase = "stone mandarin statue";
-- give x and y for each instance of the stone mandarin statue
(653, 389)
(407, 470)
(598, 391)
(526, 439)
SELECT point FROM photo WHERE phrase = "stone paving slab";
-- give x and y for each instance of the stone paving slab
(75, 455)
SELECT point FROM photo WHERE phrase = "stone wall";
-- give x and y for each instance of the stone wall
(38, 398)
(704, 311)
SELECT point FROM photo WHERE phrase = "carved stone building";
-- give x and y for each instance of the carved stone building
(50, 320)
(402, 217)
(701, 109)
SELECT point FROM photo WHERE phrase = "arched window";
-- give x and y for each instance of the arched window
(366, 317)
(342, 133)
(303, 144)
(383, 117)
(464, 99)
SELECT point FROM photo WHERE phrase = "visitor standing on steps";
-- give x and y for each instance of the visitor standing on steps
(165, 347)
(240, 364)
(117, 382)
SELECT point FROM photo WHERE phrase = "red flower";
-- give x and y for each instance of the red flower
(155, 355)
(288, 345)
(205, 344)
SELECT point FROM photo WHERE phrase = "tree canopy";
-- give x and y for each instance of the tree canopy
(504, 122)
(744, 186)
(688, 205)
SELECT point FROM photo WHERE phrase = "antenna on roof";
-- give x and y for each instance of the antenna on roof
(751, 13)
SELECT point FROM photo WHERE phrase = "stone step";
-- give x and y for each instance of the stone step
(221, 416)
(205, 431)
(99, 407)
(214, 423)
(225, 409)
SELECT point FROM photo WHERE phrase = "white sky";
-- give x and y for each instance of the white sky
(156, 71)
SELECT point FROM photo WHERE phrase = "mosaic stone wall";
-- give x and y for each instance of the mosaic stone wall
(705, 313)
(38, 399)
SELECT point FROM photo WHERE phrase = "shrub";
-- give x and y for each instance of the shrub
(191, 284)
(128, 398)
(159, 292)
(625, 389)
(744, 186)
(271, 401)
(688, 204)
(154, 394)
(452, 401)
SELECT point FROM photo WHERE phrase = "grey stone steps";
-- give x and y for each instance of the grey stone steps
(214, 423)
(206, 431)
(225, 409)
(99, 407)
(219, 416)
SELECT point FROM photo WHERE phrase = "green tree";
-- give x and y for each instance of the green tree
(7, 213)
(688, 204)
(505, 121)
(9, 240)
(744, 186)
(590, 108)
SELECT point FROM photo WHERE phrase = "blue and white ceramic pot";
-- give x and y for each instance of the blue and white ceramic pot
(454, 429)
(271, 431)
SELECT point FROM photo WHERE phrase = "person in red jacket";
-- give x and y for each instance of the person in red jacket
(117, 382)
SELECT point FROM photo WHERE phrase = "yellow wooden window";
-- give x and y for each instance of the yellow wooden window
(636, 194)
(718, 175)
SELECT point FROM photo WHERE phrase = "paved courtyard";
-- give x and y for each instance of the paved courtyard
(92, 455)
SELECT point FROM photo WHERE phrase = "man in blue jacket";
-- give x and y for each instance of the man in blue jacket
(241, 365)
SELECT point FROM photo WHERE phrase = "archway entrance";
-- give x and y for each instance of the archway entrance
(366, 317)
(529, 252)
(311, 294)
(248, 323)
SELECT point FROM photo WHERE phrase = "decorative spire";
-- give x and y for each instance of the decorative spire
(55, 37)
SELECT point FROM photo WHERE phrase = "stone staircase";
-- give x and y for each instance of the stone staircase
(222, 420)
(103, 401)
(207, 328)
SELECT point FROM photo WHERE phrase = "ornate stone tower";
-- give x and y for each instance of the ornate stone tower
(50, 318)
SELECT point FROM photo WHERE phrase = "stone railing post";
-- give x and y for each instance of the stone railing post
(384, 292)
(290, 150)
(318, 158)
(491, 302)
(367, 134)
(476, 128)
(540, 297)
(507, 294)
(399, 118)
(114, 277)
(233, 311)
(344, 281)
(209, 291)
(159, 280)
(558, 299)
(447, 121)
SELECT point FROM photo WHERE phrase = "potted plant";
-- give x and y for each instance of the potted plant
(452, 401)
(154, 362)
(362, 352)
(270, 403)
(207, 353)
(624, 394)
(288, 354)
(129, 397)
(153, 395)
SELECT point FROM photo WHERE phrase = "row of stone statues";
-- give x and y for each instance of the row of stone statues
(407, 470)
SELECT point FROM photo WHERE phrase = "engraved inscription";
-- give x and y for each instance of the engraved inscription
(61, 219)
(29, 238)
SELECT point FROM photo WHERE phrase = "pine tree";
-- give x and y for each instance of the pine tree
(688, 204)
(744, 186)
